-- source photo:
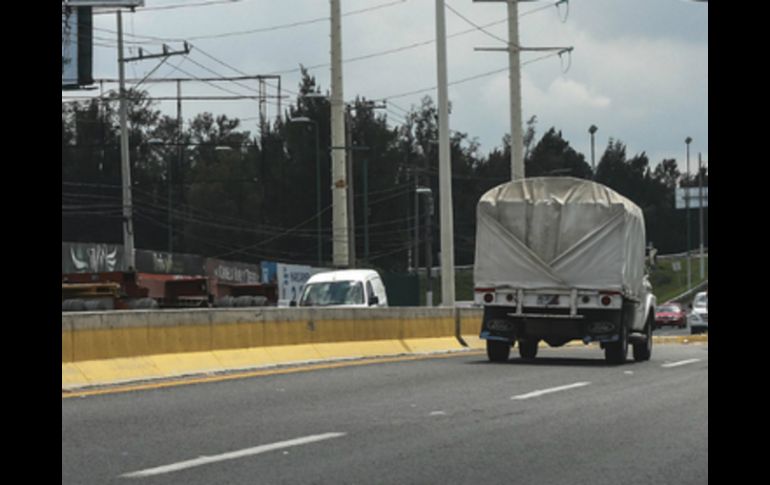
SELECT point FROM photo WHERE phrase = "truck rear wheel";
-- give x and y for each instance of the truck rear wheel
(498, 351)
(615, 352)
(643, 350)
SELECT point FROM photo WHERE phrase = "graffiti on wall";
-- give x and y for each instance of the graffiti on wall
(83, 258)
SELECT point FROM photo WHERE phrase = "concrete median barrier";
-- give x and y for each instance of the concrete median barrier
(124, 346)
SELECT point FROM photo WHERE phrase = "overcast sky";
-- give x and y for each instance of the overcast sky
(639, 69)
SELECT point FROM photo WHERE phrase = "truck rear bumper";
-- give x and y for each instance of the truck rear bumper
(556, 328)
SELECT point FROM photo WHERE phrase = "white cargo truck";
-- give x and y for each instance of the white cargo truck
(561, 259)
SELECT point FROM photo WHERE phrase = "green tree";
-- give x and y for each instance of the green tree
(553, 156)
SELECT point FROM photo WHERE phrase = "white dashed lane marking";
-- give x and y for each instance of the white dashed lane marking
(205, 460)
(681, 362)
(541, 392)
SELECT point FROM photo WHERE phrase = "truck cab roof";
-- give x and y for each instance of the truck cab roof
(343, 275)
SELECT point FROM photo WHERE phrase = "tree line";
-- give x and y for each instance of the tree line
(215, 189)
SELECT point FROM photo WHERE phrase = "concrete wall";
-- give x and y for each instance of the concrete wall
(116, 346)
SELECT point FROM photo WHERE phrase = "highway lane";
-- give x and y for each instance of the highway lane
(669, 331)
(566, 417)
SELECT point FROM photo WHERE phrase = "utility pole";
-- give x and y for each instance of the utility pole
(416, 257)
(351, 197)
(429, 249)
(700, 205)
(340, 228)
(444, 165)
(125, 162)
(514, 50)
(514, 83)
(180, 156)
(687, 142)
(592, 129)
(428, 241)
(365, 177)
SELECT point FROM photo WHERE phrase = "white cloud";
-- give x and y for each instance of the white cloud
(568, 93)
(639, 70)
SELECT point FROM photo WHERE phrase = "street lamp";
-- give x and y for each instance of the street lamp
(592, 130)
(305, 119)
(428, 241)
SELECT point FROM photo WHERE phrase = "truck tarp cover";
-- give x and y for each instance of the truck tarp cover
(559, 233)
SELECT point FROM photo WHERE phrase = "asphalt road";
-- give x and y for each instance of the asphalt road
(670, 331)
(565, 418)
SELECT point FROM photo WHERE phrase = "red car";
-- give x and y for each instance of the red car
(670, 314)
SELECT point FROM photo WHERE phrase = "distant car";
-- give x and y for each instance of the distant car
(345, 288)
(670, 314)
(699, 314)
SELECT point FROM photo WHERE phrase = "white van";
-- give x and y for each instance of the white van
(345, 288)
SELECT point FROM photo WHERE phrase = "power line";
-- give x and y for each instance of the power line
(478, 27)
(172, 7)
(266, 29)
(463, 80)
(415, 45)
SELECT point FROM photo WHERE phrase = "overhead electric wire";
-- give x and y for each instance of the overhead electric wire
(463, 80)
(415, 45)
(185, 213)
(144, 207)
(478, 27)
(186, 5)
(264, 29)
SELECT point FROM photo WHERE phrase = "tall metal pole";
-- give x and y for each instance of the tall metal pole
(687, 141)
(429, 249)
(444, 165)
(700, 205)
(416, 222)
(349, 170)
(179, 164)
(319, 241)
(514, 76)
(365, 176)
(125, 164)
(340, 256)
(592, 130)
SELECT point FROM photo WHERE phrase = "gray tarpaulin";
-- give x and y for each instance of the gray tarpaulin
(559, 233)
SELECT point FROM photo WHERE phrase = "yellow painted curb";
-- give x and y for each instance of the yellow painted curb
(165, 366)
(245, 374)
(422, 345)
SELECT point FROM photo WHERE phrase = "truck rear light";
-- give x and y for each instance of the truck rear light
(509, 297)
(606, 300)
(489, 297)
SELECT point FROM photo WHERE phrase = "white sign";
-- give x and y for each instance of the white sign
(692, 193)
(69, 48)
(291, 278)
